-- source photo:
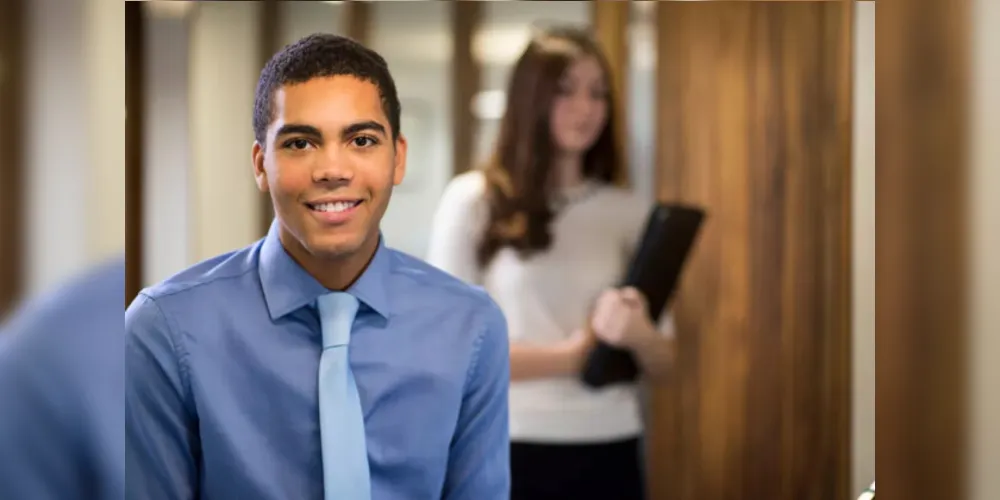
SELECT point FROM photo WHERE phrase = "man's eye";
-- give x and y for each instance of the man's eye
(297, 144)
(364, 141)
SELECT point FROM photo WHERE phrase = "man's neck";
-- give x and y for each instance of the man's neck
(333, 273)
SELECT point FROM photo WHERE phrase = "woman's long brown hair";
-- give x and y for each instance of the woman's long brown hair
(519, 173)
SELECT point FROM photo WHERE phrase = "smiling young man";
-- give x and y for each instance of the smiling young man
(239, 384)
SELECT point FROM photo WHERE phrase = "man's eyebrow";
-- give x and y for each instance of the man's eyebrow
(370, 125)
(295, 128)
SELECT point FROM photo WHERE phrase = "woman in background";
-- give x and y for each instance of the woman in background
(548, 234)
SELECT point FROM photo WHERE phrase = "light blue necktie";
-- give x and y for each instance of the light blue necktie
(342, 426)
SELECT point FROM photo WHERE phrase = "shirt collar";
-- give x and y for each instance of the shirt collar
(288, 287)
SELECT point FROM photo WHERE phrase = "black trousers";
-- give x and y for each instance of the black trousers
(606, 471)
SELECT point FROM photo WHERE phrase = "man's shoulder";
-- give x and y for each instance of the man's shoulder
(219, 273)
(437, 285)
(194, 296)
(449, 301)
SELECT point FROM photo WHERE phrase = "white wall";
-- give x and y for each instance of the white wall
(641, 100)
(57, 180)
(863, 289)
(985, 256)
(200, 198)
(423, 82)
(75, 146)
(168, 228)
(104, 62)
(224, 71)
(299, 19)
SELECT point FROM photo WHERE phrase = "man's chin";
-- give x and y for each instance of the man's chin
(335, 246)
(334, 251)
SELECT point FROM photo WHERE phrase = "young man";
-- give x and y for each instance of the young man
(239, 384)
(61, 400)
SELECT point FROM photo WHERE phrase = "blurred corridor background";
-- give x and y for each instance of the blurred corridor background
(763, 112)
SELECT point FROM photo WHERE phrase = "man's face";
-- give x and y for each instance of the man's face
(329, 165)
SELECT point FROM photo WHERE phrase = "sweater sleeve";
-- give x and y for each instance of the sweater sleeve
(458, 226)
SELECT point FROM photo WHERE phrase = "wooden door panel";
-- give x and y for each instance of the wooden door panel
(751, 124)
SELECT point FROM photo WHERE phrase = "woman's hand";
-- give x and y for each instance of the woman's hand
(621, 318)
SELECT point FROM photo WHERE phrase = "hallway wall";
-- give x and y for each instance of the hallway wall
(863, 268)
(75, 166)
(985, 253)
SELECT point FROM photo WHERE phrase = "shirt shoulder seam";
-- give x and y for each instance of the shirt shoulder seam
(162, 291)
(180, 353)
(484, 330)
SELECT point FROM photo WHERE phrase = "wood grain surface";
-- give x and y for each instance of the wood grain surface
(754, 125)
(922, 78)
(135, 103)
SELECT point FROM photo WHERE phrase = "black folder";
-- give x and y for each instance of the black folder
(655, 270)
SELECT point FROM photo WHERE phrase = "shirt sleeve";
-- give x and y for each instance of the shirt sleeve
(479, 459)
(160, 432)
(458, 225)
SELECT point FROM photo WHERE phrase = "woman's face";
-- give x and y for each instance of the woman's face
(580, 109)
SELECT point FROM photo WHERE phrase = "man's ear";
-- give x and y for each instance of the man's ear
(259, 174)
(400, 161)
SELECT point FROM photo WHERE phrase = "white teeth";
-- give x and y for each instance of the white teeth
(339, 206)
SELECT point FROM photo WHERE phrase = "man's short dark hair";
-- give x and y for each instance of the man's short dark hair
(322, 55)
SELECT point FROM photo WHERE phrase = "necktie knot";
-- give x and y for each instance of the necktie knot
(336, 312)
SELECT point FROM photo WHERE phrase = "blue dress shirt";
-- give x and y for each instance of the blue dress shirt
(221, 395)
(61, 393)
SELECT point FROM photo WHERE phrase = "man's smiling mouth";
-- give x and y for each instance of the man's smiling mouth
(335, 206)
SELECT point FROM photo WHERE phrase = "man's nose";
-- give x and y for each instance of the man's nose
(333, 167)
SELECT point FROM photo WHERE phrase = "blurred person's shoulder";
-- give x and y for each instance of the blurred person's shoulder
(91, 298)
(61, 376)
(466, 190)
(470, 183)
(70, 329)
